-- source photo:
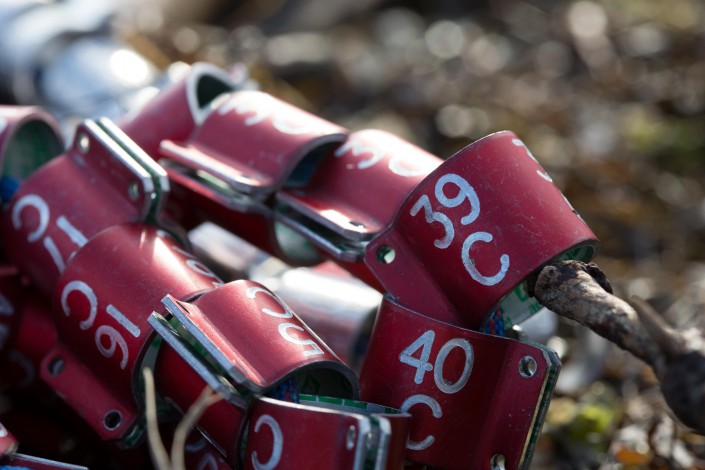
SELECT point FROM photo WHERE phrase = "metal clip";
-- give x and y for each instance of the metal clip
(103, 180)
(244, 342)
(474, 397)
(473, 230)
(355, 192)
(216, 381)
(207, 325)
(248, 148)
(179, 109)
(103, 149)
(357, 436)
(255, 144)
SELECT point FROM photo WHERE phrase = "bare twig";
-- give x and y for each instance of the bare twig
(582, 293)
(683, 378)
(570, 288)
(668, 340)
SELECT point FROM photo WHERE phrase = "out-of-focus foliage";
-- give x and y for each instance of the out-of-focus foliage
(609, 95)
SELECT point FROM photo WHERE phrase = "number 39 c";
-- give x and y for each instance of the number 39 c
(465, 193)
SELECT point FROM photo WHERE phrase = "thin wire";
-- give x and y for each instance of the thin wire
(160, 458)
(194, 413)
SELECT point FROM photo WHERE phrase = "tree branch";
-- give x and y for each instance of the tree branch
(582, 293)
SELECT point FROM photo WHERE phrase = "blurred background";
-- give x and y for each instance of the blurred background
(610, 97)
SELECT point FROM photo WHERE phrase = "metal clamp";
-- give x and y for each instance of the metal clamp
(473, 230)
(473, 396)
(104, 179)
(355, 193)
(206, 326)
(357, 436)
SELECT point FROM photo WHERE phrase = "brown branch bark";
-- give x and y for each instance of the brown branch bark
(582, 293)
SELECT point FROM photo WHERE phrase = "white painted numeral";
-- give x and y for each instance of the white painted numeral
(292, 128)
(442, 384)
(283, 328)
(465, 191)
(425, 341)
(432, 216)
(422, 365)
(31, 200)
(74, 234)
(234, 103)
(277, 445)
(283, 331)
(197, 266)
(40, 205)
(85, 289)
(357, 149)
(376, 155)
(470, 266)
(262, 110)
(397, 168)
(200, 268)
(435, 410)
(123, 320)
(54, 253)
(115, 339)
(540, 172)
(285, 313)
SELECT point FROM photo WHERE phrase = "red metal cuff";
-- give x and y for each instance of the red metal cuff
(473, 230)
(473, 396)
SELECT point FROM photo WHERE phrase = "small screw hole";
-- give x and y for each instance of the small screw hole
(385, 254)
(350, 437)
(357, 224)
(56, 366)
(498, 462)
(527, 366)
(84, 143)
(112, 420)
(133, 191)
